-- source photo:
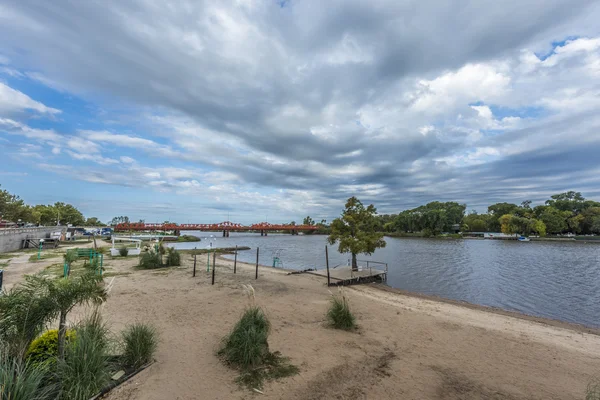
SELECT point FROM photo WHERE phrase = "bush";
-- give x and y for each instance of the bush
(123, 251)
(593, 390)
(140, 342)
(85, 370)
(149, 260)
(45, 348)
(339, 314)
(23, 381)
(173, 258)
(247, 346)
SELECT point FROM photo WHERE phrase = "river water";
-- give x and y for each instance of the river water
(555, 280)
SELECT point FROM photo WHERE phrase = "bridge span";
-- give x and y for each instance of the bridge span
(225, 227)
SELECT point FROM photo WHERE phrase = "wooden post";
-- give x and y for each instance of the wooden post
(194, 273)
(214, 268)
(327, 263)
(256, 276)
(235, 259)
(214, 258)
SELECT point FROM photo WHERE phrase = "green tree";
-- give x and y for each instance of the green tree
(308, 221)
(64, 294)
(93, 222)
(119, 220)
(497, 211)
(555, 220)
(12, 208)
(355, 230)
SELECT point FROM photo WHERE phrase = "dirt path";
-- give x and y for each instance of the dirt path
(406, 348)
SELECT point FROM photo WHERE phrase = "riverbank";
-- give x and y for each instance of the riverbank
(407, 347)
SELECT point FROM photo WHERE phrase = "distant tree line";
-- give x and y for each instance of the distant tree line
(563, 213)
(14, 209)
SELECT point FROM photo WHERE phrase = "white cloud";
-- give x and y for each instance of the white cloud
(127, 160)
(12, 100)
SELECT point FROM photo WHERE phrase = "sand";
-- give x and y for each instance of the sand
(407, 347)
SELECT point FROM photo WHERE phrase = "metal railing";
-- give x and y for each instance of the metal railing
(370, 265)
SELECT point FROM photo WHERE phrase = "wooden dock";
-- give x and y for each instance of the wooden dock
(344, 276)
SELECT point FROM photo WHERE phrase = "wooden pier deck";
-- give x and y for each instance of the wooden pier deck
(344, 276)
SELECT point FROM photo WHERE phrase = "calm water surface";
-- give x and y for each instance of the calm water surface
(546, 279)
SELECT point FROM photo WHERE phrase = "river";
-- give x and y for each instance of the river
(555, 280)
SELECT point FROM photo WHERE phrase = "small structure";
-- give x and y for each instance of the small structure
(132, 251)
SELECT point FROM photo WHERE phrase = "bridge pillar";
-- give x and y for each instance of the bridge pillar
(265, 233)
(177, 233)
(262, 233)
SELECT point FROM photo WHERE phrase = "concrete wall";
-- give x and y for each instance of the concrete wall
(12, 239)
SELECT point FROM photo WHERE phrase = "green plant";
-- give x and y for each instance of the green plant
(45, 348)
(23, 315)
(247, 348)
(173, 257)
(141, 341)
(149, 260)
(123, 251)
(593, 390)
(64, 294)
(339, 314)
(23, 381)
(85, 370)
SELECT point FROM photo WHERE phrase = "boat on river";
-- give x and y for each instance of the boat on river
(523, 239)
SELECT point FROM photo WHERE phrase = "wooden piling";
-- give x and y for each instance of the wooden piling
(235, 260)
(327, 263)
(214, 268)
(194, 274)
(257, 250)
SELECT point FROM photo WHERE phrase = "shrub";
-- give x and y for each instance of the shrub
(140, 342)
(247, 346)
(45, 347)
(173, 258)
(23, 381)
(339, 314)
(149, 260)
(593, 390)
(123, 251)
(85, 369)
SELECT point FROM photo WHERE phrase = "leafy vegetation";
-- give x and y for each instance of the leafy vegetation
(593, 390)
(140, 341)
(152, 259)
(123, 251)
(356, 231)
(13, 208)
(188, 238)
(563, 213)
(149, 260)
(247, 348)
(339, 315)
(85, 369)
(44, 349)
(20, 380)
(173, 257)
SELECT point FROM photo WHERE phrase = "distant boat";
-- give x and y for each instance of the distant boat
(523, 239)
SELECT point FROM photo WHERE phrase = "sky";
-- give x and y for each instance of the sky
(263, 110)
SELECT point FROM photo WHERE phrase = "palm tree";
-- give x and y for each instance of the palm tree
(64, 294)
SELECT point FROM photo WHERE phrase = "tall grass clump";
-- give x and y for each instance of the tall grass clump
(339, 315)
(247, 349)
(20, 380)
(593, 390)
(173, 258)
(149, 260)
(140, 342)
(85, 369)
(123, 251)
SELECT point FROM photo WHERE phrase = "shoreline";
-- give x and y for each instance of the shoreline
(383, 288)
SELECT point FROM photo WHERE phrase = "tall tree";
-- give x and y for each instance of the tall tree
(308, 221)
(356, 231)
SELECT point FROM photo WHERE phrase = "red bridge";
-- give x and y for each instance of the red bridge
(226, 227)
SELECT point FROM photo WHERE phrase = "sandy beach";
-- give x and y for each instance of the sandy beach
(407, 346)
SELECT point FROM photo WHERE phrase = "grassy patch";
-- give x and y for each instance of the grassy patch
(593, 390)
(141, 341)
(43, 256)
(188, 238)
(3, 265)
(339, 315)
(223, 250)
(246, 348)
(5, 256)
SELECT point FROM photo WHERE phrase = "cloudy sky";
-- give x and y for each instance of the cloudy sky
(262, 109)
